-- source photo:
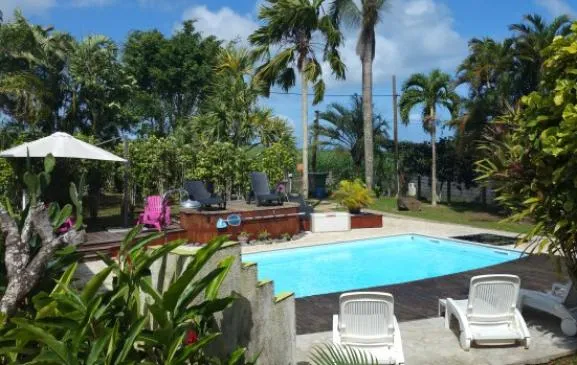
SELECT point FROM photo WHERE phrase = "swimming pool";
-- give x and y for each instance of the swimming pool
(372, 262)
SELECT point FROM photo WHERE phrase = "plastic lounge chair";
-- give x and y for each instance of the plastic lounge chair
(261, 190)
(197, 191)
(367, 322)
(156, 213)
(560, 301)
(490, 315)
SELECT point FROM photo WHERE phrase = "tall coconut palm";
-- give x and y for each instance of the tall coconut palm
(366, 15)
(428, 92)
(343, 127)
(294, 32)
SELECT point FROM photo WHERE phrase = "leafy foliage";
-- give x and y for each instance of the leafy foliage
(158, 164)
(224, 165)
(275, 160)
(530, 154)
(353, 195)
(130, 323)
(292, 25)
(172, 75)
(344, 127)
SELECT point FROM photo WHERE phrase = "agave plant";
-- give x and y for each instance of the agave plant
(329, 354)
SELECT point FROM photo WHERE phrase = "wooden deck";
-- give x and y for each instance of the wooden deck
(108, 242)
(419, 299)
(276, 220)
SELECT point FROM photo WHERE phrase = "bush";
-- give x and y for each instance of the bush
(353, 195)
(157, 164)
(222, 164)
(531, 155)
(275, 160)
(133, 322)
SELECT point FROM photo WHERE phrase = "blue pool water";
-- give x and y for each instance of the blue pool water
(372, 262)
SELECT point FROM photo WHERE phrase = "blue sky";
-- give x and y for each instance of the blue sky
(414, 36)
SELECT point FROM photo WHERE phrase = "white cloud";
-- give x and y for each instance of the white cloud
(414, 36)
(556, 7)
(28, 7)
(225, 23)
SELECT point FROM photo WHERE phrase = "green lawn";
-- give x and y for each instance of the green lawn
(471, 214)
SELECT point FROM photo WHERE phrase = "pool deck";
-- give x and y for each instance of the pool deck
(425, 340)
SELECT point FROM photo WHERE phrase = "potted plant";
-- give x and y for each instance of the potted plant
(354, 195)
(264, 236)
(243, 237)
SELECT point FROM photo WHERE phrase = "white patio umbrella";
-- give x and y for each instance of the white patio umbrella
(63, 145)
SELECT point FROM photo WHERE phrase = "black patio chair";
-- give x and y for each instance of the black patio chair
(261, 190)
(197, 191)
(304, 208)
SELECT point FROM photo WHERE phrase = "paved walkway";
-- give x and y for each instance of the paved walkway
(392, 225)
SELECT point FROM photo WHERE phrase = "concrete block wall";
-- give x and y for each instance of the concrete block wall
(459, 193)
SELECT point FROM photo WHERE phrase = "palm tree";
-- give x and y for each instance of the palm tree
(33, 80)
(366, 17)
(289, 43)
(489, 71)
(428, 91)
(344, 128)
(532, 37)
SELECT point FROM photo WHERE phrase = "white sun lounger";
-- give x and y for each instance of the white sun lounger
(490, 315)
(367, 321)
(560, 301)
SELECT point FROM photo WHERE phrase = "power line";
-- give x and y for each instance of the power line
(334, 95)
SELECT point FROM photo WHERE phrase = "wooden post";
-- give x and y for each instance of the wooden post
(315, 144)
(395, 133)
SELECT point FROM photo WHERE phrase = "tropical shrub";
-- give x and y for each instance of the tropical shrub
(130, 323)
(354, 195)
(339, 163)
(7, 178)
(531, 155)
(276, 161)
(222, 164)
(157, 164)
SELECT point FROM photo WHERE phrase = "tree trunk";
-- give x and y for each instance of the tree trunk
(23, 271)
(433, 160)
(305, 125)
(367, 66)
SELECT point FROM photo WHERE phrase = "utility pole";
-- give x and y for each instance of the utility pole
(315, 143)
(396, 132)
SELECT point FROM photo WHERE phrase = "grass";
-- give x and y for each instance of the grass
(471, 214)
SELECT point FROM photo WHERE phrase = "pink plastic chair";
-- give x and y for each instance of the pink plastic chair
(156, 213)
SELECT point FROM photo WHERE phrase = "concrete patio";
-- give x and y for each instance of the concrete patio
(426, 341)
